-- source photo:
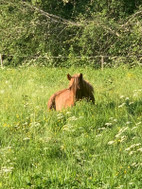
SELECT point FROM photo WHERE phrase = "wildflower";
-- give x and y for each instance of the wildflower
(134, 164)
(1, 91)
(133, 146)
(131, 103)
(138, 123)
(67, 127)
(4, 124)
(108, 124)
(99, 135)
(111, 142)
(131, 153)
(122, 139)
(131, 183)
(102, 128)
(135, 94)
(73, 118)
(127, 98)
(120, 106)
(121, 131)
(26, 138)
(17, 115)
(59, 116)
(115, 120)
(7, 169)
(119, 187)
(125, 172)
(62, 147)
(128, 122)
(133, 128)
(140, 149)
(6, 81)
(68, 113)
(122, 96)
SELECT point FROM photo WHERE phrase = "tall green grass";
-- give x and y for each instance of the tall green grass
(84, 147)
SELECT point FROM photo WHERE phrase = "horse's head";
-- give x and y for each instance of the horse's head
(76, 80)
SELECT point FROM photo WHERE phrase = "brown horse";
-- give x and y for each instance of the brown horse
(78, 89)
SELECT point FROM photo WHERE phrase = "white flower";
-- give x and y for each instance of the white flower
(121, 131)
(138, 123)
(99, 135)
(102, 128)
(73, 118)
(133, 128)
(131, 103)
(131, 153)
(122, 138)
(140, 149)
(26, 138)
(2, 92)
(108, 124)
(68, 112)
(120, 106)
(135, 94)
(111, 142)
(127, 149)
(132, 146)
(127, 98)
(6, 169)
(115, 120)
(122, 96)
(134, 164)
(128, 122)
(60, 116)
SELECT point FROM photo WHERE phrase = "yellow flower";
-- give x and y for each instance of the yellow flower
(125, 172)
(4, 124)
(130, 75)
(17, 115)
(0, 184)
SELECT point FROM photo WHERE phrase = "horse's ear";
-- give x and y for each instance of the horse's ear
(69, 76)
(81, 76)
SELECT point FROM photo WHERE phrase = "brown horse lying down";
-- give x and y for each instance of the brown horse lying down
(78, 89)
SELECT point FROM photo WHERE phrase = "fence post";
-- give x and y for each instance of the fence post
(102, 63)
(1, 61)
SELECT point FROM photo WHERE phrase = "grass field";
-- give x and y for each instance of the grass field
(85, 147)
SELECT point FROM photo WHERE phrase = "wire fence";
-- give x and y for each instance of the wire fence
(102, 58)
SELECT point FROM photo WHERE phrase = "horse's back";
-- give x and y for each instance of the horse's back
(64, 99)
(61, 99)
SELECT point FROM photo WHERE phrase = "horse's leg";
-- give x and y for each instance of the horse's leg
(92, 98)
(51, 103)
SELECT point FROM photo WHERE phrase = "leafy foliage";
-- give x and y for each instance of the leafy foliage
(68, 32)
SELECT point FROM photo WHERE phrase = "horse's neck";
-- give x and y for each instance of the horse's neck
(76, 94)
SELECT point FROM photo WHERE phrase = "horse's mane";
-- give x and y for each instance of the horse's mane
(87, 86)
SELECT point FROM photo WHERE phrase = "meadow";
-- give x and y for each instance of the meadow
(85, 147)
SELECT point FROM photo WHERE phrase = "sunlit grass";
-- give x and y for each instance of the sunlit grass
(87, 146)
